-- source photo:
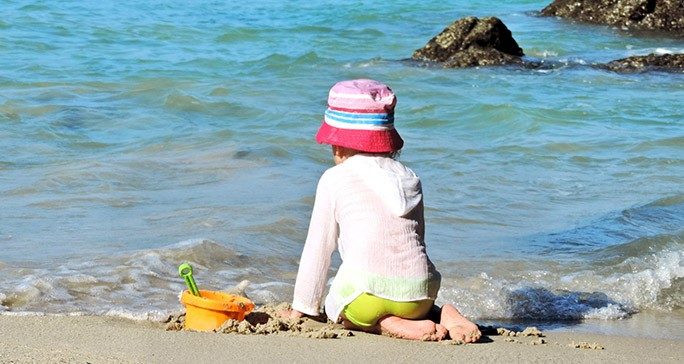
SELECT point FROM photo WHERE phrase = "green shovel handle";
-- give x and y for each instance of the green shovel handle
(185, 271)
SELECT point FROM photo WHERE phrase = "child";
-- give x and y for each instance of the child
(370, 207)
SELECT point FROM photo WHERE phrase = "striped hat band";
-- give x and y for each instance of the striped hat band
(359, 119)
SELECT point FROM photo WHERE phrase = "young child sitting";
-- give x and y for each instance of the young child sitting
(370, 207)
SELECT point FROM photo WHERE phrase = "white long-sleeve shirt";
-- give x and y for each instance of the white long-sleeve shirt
(371, 209)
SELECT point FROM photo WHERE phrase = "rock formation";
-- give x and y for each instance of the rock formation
(472, 42)
(651, 62)
(663, 15)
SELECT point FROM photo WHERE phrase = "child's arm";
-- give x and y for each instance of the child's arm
(320, 243)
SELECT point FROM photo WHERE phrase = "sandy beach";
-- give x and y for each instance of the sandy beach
(104, 339)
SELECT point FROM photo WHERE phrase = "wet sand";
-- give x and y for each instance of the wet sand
(107, 339)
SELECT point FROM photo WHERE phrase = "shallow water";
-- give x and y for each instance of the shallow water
(138, 136)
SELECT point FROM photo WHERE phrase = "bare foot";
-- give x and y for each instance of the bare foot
(460, 328)
(424, 330)
(290, 314)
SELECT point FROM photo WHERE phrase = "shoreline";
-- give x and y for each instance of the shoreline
(112, 339)
(646, 324)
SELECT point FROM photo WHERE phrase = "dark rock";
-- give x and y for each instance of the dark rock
(664, 15)
(470, 42)
(651, 62)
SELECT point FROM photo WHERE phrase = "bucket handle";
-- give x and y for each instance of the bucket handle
(185, 271)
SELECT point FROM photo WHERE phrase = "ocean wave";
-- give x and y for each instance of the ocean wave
(140, 285)
(554, 294)
(619, 265)
(182, 101)
(676, 142)
(144, 284)
(641, 248)
(239, 34)
(283, 63)
(623, 228)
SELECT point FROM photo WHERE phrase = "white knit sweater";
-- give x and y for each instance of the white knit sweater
(371, 209)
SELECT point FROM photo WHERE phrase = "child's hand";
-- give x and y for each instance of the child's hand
(290, 314)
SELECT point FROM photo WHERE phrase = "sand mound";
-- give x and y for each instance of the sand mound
(264, 321)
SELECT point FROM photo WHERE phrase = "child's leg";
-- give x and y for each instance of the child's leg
(399, 319)
(460, 328)
(425, 330)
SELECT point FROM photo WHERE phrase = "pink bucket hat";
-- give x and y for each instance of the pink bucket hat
(360, 116)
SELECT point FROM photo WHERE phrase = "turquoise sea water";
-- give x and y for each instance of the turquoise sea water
(135, 136)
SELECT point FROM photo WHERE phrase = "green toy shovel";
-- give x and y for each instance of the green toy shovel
(185, 271)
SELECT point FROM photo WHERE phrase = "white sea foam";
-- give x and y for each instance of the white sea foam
(23, 313)
(153, 315)
(572, 60)
(642, 288)
(635, 284)
(663, 51)
(544, 53)
(609, 312)
(657, 50)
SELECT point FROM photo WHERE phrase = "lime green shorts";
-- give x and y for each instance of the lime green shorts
(366, 309)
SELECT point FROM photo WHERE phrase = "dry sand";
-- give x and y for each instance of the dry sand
(106, 339)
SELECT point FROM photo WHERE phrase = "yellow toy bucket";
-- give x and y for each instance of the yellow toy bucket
(212, 309)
